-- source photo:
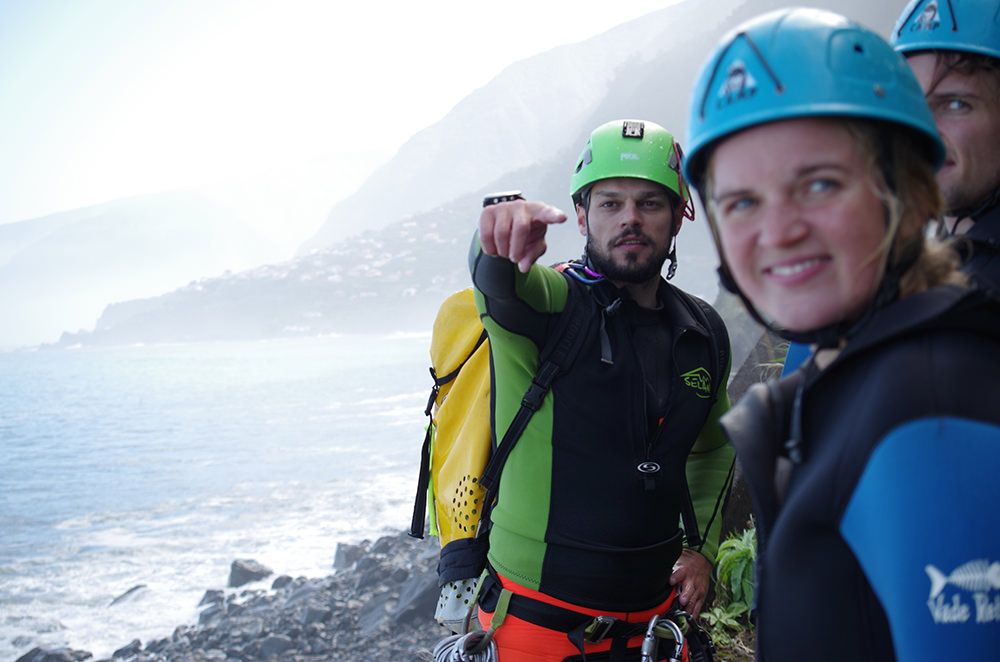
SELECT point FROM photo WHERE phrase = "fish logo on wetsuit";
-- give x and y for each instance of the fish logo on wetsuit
(979, 577)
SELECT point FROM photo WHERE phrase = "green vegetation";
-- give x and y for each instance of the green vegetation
(729, 619)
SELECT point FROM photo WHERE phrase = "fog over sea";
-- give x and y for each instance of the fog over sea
(159, 465)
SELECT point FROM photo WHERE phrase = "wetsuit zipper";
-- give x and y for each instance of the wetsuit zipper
(646, 468)
(652, 468)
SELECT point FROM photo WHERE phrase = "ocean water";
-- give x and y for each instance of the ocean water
(159, 465)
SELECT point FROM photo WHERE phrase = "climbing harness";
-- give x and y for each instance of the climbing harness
(580, 629)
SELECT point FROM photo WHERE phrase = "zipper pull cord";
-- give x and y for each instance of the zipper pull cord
(606, 312)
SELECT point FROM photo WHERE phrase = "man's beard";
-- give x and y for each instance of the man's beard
(634, 270)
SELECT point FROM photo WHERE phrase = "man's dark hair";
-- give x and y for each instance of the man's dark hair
(966, 64)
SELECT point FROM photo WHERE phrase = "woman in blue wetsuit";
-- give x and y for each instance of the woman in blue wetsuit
(873, 469)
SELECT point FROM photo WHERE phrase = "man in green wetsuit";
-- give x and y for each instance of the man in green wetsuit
(585, 529)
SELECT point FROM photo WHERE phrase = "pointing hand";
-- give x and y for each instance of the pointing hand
(516, 230)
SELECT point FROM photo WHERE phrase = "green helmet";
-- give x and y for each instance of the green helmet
(799, 62)
(631, 148)
(967, 26)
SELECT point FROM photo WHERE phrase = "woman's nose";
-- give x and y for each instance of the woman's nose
(782, 223)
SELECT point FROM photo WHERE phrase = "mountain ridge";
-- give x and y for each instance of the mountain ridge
(568, 80)
(392, 272)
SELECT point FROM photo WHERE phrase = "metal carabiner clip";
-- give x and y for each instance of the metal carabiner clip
(650, 645)
(648, 649)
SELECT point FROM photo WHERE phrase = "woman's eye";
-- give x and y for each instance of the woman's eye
(738, 205)
(819, 186)
(956, 105)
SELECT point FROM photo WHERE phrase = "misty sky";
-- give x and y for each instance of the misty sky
(109, 98)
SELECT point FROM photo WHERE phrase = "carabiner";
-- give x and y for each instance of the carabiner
(648, 649)
(650, 645)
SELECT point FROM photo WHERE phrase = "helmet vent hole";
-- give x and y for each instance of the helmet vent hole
(858, 48)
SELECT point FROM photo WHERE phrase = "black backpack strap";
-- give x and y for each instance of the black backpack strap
(418, 520)
(423, 479)
(718, 342)
(718, 337)
(556, 357)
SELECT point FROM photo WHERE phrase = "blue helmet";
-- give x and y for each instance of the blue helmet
(967, 26)
(795, 63)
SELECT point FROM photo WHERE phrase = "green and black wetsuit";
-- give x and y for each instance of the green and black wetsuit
(590, 499)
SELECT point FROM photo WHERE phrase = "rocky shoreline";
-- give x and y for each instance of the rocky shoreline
(378, 604)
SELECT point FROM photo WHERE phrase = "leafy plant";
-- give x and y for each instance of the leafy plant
(728, 621)
(736, 559)
(727, 617)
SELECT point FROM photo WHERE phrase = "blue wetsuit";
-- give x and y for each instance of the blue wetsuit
(883, 542)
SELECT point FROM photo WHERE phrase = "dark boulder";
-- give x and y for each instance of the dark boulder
(347, 555)
(275, 644)
(54, 655)
(212, 597)
(315, 614)
(129, 650)
(244, 571)
(418, 597)
(375, 615)
(211, 612)
(384, 545)
(301, 594)
(281, 581)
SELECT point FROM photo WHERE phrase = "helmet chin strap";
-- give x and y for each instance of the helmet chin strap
(672, 255)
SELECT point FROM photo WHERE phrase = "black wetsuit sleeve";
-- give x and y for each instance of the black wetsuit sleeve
(521, 303)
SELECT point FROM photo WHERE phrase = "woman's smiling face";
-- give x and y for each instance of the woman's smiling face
(800, 221)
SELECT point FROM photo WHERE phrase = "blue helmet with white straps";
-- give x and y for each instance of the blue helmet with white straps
(795, 63)
(966, 26)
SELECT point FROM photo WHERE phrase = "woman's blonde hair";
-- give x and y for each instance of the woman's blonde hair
(905, 182)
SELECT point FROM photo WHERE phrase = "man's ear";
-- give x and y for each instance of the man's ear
(581, 219)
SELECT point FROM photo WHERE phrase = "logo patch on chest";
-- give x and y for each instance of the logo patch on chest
(980, 578)
(700, 380)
